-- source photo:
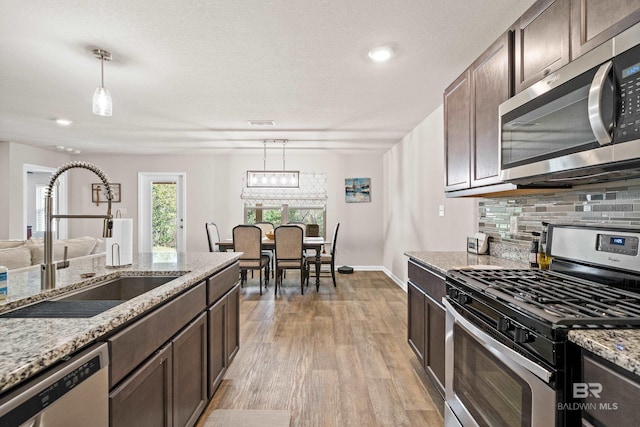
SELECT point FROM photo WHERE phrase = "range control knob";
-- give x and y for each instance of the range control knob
(504, 324)
(463, 299)
(520, 335)
(453, 293)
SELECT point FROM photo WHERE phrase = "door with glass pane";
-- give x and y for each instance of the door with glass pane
(161, 212)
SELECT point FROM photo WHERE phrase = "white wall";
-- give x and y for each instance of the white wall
(214, 184)
(414, 188)
(12, 158)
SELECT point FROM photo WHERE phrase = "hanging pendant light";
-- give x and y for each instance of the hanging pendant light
(102, 105)
(270, 178)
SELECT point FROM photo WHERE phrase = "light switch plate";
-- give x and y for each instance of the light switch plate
(441, 210)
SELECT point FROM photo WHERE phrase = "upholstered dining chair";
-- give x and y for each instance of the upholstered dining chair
(213, 236)
(313, 230)
(248, 239)
(325, 259)
(289, 255)
(267, 227)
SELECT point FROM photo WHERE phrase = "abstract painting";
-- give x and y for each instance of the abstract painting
(357, 190)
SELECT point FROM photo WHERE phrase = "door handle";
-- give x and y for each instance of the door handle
(601, 132)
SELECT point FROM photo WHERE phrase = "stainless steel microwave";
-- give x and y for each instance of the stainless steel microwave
(580, 124)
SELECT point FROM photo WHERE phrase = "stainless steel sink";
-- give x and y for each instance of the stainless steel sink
(122, 288)
(91, 301)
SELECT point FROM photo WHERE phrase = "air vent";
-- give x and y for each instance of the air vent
(262, 123)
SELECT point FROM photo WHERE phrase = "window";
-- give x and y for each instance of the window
(41, 191)
(282, 205)
(283, 214)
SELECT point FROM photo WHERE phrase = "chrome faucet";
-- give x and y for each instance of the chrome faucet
(48, 268)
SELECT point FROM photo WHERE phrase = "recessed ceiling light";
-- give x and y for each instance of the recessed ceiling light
(76, 151)
(64, 122)
(69, 149)
(381, 53)
(60, 147)
(262, 123)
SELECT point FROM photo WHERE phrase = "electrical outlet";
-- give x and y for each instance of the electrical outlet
(513, 225)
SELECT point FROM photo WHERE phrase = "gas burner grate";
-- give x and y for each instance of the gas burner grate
(556, 297)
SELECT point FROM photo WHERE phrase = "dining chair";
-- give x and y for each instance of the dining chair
(267, 227)
(289, 255)
(313, 230)
(248, 239)
(213, 236)
(302, 226)
(325, 259)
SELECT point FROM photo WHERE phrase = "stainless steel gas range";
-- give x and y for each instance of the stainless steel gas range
(508, 359)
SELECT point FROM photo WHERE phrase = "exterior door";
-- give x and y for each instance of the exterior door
(161, 213)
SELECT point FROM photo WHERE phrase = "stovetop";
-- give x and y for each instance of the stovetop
(555, 298)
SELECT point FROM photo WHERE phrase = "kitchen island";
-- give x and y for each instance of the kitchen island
(29, 346)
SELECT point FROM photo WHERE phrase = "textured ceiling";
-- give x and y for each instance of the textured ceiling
(188, 75)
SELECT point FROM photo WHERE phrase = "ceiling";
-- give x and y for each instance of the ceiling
(186, 76)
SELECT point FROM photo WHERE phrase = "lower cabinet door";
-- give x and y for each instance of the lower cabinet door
(416, 321)
(144, 398)
(189, 385)
(233, 323)
(217, 358)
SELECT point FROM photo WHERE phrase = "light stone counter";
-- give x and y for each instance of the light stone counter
(28, 346)
(619, 346)
(443, 261)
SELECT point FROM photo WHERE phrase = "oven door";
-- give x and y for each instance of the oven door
(488, 384)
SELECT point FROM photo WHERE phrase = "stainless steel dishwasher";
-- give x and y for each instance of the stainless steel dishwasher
(75, 393)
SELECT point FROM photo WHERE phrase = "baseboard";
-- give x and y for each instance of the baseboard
(395, 278)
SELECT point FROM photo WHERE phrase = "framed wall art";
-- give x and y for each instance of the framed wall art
(99, 195)
(357, 190)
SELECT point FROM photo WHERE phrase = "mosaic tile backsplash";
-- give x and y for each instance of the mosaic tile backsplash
(615, 203)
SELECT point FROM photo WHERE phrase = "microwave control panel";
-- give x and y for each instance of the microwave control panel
(627, 67)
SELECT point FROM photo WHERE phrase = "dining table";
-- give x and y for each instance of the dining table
(315, 243)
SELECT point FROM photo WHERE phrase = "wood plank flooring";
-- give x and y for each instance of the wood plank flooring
(337, 357)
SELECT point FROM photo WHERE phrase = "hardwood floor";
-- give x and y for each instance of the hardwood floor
(337, 357)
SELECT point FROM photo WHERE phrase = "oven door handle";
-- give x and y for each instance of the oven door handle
(601, 132)
(499, 350)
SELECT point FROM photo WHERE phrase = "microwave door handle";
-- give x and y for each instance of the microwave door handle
(602, 134)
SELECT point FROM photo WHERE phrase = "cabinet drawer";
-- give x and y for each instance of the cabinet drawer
(428, 282)
(220, 283)
(129, 347)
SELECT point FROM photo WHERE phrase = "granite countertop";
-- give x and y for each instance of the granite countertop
(619, 346)
(443, 261)
(29, 345)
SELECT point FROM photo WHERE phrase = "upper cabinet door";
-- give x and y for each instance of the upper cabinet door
(457, 133)
(596, 21)
(490, 87)
(542, 41)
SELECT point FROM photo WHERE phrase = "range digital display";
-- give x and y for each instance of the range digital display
(630, 71)
(617, 241)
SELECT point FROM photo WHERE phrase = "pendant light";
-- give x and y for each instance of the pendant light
(101, 97)
(271, 178)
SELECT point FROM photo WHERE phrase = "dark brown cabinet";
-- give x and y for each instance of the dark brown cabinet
(224, 336)
(166, 365)
(609, 393)
(471, 118)
(189, 384)
(143, 399)
(541, 41)
(426, 321)
(457, 133)
(170, 388)
(596, 21)
(491, 85)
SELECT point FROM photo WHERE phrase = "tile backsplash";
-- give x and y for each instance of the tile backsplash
(615, 203)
